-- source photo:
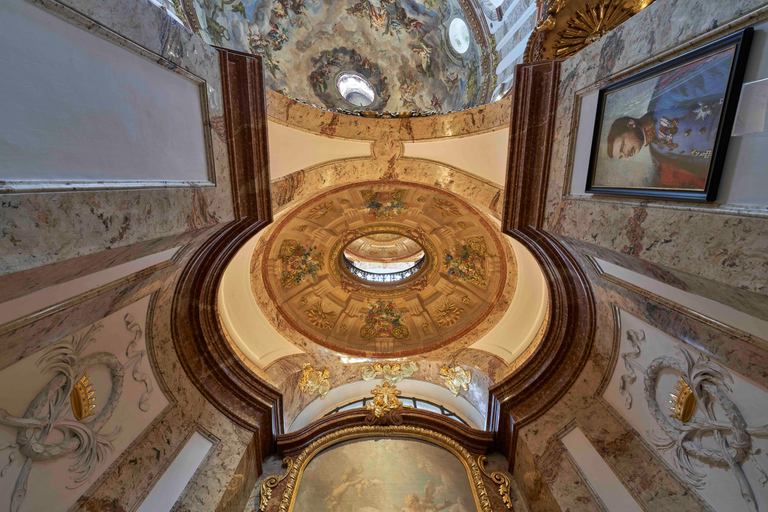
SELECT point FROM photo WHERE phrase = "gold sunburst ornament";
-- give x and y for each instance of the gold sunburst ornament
(83, 403)
(590, 24)
(683, 402)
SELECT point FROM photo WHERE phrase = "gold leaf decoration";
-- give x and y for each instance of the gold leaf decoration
(498, 478)
(590, 24)
(384, 399)
(319, 318)
(392, 373)
(448, 315)
(83, 403)
(315, 380)
(270, 483)
(456, 378)
(683, 402)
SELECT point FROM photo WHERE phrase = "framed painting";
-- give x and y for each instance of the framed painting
(663, 133)
(384, 469)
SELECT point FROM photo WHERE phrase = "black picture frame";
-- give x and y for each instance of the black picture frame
(741, 42)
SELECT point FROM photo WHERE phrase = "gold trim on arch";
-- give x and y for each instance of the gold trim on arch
(473, 470)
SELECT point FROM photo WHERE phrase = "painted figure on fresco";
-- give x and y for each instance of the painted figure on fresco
(680, 126)
(403, 41)
(413, 503)
(385, 475)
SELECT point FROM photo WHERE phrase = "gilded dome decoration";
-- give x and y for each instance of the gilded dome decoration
(382, 269)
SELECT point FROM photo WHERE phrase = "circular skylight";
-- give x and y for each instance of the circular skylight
(355, 89)
(458, 32)
(383, 257)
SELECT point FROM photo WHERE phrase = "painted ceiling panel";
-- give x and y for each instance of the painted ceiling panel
(402, 48)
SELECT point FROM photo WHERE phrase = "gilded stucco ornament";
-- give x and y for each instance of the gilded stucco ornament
(682, 403)
(320, 318)
(456, 378)
(448, 315)
(315, 380)
(391, 373)
(590, 24)
(83, 403)
(270, 483)
(473, 470)
(384, 399)
(498, 478)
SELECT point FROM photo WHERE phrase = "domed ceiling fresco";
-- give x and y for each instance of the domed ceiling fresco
(459, 276)
(412, 55)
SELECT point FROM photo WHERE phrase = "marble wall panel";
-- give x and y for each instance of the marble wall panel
(719, 243)
(39, 229)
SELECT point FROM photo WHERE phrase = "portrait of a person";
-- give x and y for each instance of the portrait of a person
(679, 127)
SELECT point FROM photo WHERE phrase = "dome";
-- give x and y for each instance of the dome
(416, 55)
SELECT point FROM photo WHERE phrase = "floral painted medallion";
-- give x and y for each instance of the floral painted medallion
(453, 296)
(466, 261)
(384, 205)
(383, 320)
(298, 262)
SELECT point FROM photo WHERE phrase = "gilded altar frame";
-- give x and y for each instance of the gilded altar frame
(316, 447)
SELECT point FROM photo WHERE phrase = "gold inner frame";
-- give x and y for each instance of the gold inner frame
(316, 447)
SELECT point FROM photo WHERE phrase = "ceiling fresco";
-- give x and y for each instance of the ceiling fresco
(300, 268)
(402, 48)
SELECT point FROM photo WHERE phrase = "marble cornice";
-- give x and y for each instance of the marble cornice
(286, 111)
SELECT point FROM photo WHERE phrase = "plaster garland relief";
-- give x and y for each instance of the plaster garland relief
(37, 420)
(719, 448)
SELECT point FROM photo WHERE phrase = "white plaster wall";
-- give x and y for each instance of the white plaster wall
(483, 155)
(77, 107)
(720, 488)
(50, 486)
(292, 150)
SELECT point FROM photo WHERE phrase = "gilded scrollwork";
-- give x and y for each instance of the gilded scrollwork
(271, 482)
(498, 478)
(320, 318)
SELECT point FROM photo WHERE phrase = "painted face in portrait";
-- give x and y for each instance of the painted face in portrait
(625, 138)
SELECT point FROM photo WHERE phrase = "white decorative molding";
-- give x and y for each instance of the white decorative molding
(718, 450)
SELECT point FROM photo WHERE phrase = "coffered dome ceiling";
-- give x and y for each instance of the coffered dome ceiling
(448, 269)
(380, 55)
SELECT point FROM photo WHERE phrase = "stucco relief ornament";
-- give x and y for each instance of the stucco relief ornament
(320, 318)
(384, 400)
(730, 444)
(270, 483)
(456, 378)
(48, 412)
(391, 373)
(314, 380)
(448, 315)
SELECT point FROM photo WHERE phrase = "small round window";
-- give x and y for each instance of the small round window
(355, 89)
(458, 32)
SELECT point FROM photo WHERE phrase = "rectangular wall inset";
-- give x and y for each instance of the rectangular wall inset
(82, 112)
